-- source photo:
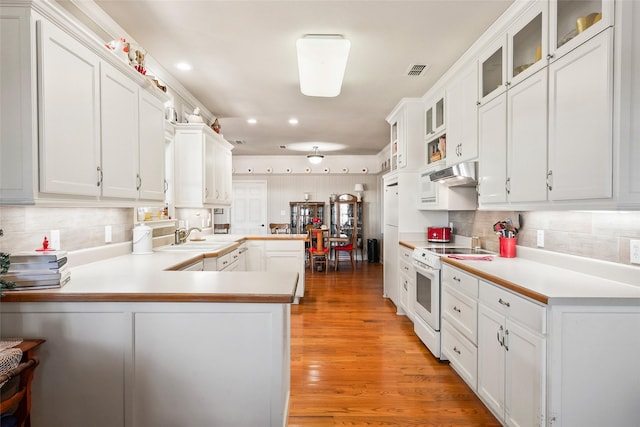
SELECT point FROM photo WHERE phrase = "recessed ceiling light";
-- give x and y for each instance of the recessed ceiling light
(183, 66)
(293, 121)
(252, 121)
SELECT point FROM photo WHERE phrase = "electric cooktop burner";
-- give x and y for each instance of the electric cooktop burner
(456, 251)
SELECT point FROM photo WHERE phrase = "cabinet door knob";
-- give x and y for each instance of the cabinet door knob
(507, 185)
(139, 182)
(505, 339)
(550, 180)
(99, 176)
(500, 339)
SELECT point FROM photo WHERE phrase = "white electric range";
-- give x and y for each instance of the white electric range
(427, 264)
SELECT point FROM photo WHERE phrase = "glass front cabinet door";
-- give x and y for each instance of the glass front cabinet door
(346, 217)
(303, 214)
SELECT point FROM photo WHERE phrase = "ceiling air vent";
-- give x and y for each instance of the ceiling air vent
(417, 70)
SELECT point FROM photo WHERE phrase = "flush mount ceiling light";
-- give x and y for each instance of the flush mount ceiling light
(183, 66)
(293, 121)
(252, 121)
(322, 60)
(315, 157)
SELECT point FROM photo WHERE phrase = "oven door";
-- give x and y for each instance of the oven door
(427, 304)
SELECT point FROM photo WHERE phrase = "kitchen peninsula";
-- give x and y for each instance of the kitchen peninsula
(132, 342)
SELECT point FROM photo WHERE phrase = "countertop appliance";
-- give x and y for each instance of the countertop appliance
(439, 234)
(427, 264)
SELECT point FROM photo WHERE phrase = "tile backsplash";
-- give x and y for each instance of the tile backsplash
(593, 234)
(80, 228)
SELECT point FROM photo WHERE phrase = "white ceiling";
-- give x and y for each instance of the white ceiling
(244, 61)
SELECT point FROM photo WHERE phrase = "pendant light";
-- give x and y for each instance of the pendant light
(315, 157)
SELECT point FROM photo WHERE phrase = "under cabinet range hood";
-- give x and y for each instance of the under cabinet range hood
(456, 175)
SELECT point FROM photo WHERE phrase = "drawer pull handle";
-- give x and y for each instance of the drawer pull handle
(456, 279)
(456, 309)
(505, 303)
(456, 350)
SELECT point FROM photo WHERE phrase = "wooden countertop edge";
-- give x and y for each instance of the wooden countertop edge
(27, 296)
(284, 237)
(406, 245)
(499, 281)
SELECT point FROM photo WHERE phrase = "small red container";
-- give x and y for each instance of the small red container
(439, 234)
(507, 247)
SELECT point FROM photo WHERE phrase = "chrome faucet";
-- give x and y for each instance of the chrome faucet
(182, 234)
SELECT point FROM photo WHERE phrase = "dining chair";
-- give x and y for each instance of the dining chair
(318, 252)
(349, 248)
(279, 228)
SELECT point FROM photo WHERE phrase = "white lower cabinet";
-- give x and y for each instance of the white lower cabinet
(511, 358)
(277, 255)
(407, 281)
(460, 323)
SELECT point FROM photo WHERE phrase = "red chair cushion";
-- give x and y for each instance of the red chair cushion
(348, 247)
(314, 250)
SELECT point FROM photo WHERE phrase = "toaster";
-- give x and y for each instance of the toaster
(439, 234)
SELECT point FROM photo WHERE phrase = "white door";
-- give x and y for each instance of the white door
(249, 208)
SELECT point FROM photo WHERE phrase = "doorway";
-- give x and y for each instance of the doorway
(249, 208)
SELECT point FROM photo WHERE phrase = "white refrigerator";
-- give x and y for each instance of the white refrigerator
(390, 250)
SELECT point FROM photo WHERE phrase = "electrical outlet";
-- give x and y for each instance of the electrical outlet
(54, 240)
(540, 239)
(107, 234)
(634, 251)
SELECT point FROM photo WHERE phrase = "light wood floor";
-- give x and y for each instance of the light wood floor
(354, 362)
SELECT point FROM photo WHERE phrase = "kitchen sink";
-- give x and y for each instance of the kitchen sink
(196, 246)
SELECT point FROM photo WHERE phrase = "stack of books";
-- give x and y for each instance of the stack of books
(38, 270)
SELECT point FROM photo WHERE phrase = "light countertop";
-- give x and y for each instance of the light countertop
(548, 283)
(148, 278)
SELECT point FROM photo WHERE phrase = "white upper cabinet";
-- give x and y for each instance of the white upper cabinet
(492, 136)
(492, 70)
(202, 161)
(69, 114)
(152, 183)
(516, 54)
(526, 139)
(434, 116)
(119, 125)
(572, 23)
(407, 134)
(462, 116)
(76, 121)
(581, 122)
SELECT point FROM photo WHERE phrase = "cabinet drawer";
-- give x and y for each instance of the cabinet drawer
(462, 312)
(405, 254)
(406, 268)
(460, 280)
(462, 354)
(513, 306)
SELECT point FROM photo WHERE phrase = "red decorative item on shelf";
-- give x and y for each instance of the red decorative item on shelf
(45, 245)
